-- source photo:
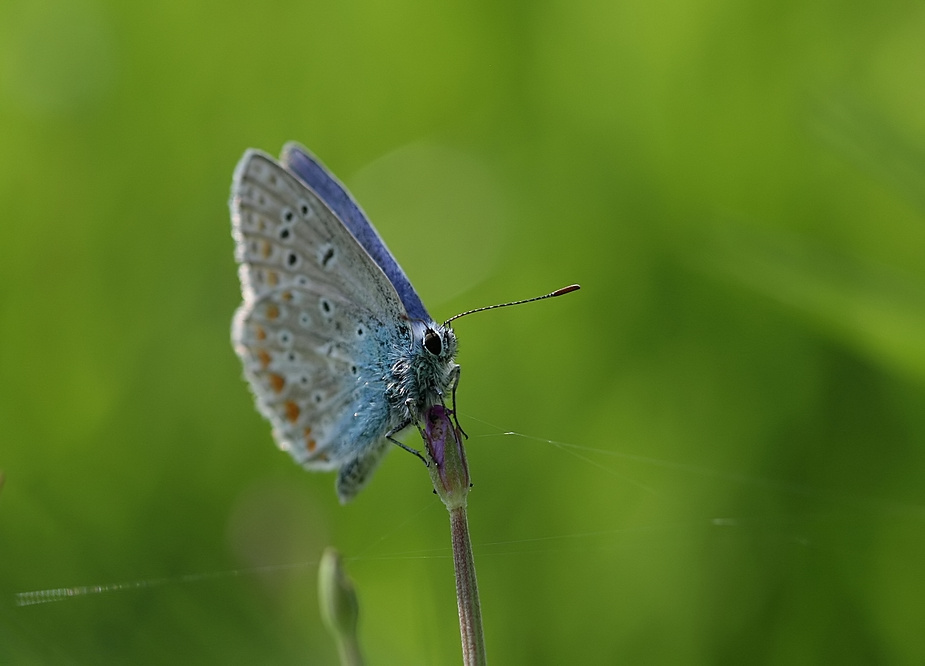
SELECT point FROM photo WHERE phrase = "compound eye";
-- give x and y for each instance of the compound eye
(432, 342)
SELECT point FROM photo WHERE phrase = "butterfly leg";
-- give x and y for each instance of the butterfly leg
(455, 381)
(398, 429)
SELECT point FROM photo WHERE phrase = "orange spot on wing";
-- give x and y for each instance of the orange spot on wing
(309, 442)
(286, 296)
(264, 357)
(260, 333)
(272, 278)
(272, 312)
(266, 249)
(277, 382)
(292, 411)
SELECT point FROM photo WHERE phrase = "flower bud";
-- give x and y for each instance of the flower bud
(339, 606)
(450, 472)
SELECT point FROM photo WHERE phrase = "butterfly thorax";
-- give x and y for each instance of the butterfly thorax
(423, 374)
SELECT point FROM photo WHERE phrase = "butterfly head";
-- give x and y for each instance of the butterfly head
(439, 341)
(431, 370)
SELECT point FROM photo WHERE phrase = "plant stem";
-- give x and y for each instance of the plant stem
(450, 475)
(349, 651)
(467, 591)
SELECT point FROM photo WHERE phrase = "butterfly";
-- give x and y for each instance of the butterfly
(339, 351)
(338, 348)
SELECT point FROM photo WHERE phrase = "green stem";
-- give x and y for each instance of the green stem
(349, 650)
(467, 591)
(450, 475)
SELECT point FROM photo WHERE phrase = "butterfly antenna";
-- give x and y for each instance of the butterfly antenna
(558, 292)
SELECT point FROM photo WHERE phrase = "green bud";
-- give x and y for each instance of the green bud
(339, 606)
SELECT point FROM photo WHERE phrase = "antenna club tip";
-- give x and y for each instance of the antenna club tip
(566, 290)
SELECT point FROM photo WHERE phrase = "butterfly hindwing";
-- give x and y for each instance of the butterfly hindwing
(355, 473)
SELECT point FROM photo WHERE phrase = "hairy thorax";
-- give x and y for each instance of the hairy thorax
(423, 373)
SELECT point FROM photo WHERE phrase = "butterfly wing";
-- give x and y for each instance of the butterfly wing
(310, 169)
(317, 325)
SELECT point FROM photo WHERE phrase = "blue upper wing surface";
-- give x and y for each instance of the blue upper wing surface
(306, 167)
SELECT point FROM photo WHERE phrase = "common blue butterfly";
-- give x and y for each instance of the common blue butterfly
(338, 348)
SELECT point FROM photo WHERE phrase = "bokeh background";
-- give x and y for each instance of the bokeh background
(719, 452)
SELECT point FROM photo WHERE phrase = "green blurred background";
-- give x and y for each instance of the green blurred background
(738, 388)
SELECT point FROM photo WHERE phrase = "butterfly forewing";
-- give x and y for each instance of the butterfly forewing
(313, 173)
(310, 329)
